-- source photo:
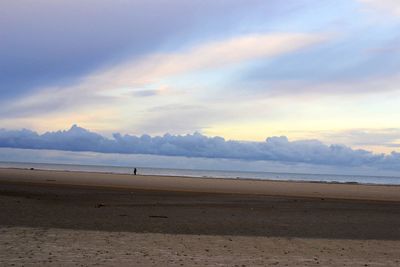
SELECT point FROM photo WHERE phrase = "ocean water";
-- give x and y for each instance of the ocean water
(328, 178)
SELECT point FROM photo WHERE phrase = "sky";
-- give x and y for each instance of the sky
(317, 71)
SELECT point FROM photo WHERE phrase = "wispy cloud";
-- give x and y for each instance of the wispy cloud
(219, 54)
(388, 6)
(47, 43)
(210, 55)
(295, 88)
(120, 85)
(389, 136)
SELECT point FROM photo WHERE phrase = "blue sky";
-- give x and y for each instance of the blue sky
(242, 70)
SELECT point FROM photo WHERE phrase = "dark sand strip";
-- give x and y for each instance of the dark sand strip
(197, 213)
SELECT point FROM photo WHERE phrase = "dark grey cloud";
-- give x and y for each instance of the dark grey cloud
(197, 145)
(145, 93)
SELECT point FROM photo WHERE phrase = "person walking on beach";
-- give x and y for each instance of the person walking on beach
(134, 171)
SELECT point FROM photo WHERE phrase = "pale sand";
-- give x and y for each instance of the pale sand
(50, 218)
(63, 247)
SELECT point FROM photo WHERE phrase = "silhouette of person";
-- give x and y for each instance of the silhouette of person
(134, 171)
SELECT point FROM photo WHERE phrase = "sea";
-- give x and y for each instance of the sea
(213, 174)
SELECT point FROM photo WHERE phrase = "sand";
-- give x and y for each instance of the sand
(69, 219)
(205, 185)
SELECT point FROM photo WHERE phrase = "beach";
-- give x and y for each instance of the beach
(79, 218)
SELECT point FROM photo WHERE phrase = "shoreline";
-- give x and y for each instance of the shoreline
(215, 177)
(279, 188)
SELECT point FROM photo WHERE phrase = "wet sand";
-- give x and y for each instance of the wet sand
(204, 185)
(68, 218)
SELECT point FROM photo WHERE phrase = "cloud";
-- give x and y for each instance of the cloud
(197, 145)
(309, 87)
(221, 53)
(387, 137)
(117, 87)
(155, 67)
(47, 43)
(388, 6)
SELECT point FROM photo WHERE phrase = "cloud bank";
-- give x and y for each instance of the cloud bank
(197, 145)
